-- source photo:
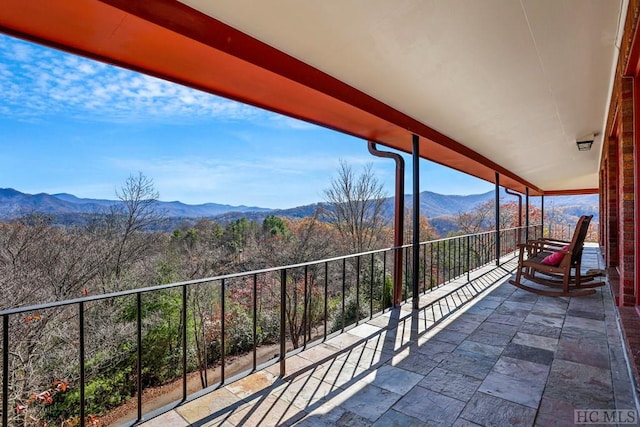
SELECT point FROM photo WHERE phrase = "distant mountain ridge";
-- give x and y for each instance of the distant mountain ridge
(65, 206)
(13, 204)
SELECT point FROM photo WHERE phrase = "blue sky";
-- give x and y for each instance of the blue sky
(72, 125)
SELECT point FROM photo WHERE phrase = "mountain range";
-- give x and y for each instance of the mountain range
(67, 208)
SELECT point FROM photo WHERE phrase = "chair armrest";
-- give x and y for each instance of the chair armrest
(535, 247)
(555, 241)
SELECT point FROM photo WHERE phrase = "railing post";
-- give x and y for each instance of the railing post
(416, 220)
(357, 289)
(326, 294)
(139, 355)
(5, 371)
(184, 343)
(255, 321)
(283, 320)
(344, 291)
(305, 318)
(222, 329)
(81, 360)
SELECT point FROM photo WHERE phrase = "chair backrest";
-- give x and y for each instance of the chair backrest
(579, 235)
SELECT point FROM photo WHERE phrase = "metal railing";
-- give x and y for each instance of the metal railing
(564, 231)
(443, 260)
(282, 309)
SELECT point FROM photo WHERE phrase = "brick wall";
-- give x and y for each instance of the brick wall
(626, 199)
(611, 203)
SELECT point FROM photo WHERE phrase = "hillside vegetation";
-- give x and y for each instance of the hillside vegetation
(49, 254)
(440, 209)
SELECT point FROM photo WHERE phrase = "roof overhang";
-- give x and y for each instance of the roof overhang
(489, 86)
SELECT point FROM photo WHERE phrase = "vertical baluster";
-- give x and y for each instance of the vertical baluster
(438, 266)
(384, 276)
(305, 320)
(468, 244)
(424, 268)
(283, 320)
(344, 289)
(255, 321)
(82, 365)
(449, 259)
(309, 305)
(458, 252)
(371, 288)
(139, 354)
(326, 296)
(406, 274)
(184, 342)
(222, 330)
(5, 371)
(358, 289)
(430, 265)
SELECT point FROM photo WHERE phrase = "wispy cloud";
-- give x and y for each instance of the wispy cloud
(38, 82)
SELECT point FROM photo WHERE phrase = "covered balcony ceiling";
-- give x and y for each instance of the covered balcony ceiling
(492, 85)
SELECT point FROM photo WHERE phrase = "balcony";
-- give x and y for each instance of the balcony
(511, 73)
(477, 350)
(507, 357)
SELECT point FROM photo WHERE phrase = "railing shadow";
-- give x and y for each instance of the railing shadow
(342, 375)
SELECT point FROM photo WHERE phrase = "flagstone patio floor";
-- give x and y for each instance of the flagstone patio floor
(508, 357)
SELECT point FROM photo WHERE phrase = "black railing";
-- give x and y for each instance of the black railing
(447, 259)
(216, 319)
(564, 231)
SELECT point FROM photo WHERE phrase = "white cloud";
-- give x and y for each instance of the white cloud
(280, 121)
(39, 82)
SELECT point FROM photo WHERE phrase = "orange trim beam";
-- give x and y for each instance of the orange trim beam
(576, 192)
(169, 40)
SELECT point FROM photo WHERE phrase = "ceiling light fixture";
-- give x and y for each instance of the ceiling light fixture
(585, 143)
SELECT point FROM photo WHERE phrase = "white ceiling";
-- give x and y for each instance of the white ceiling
(516, 81)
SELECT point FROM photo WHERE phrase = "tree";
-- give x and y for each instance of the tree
(40, 262)
(427, 232)
(129, 222)
(274, 226)
(356, 207)
(240, 234)
(482, 218)
(304, 240)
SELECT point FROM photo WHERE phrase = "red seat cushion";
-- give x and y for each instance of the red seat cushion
(555, 258)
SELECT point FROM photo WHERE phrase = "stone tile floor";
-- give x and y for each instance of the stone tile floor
(508, 357)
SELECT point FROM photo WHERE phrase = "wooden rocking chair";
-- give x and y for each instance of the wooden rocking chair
(555, 260)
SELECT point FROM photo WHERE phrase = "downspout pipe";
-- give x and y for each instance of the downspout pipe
(542, 214)
(526, 233)
(497, 219)
(519, 196)
(398, 224)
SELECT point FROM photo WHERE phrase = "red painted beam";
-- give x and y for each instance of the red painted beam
(575, 192)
